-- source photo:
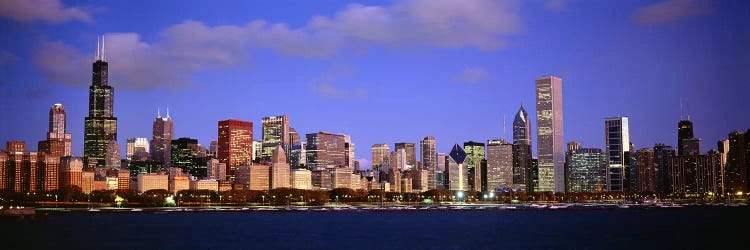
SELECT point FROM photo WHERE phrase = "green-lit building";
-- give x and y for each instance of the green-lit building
(474, 156)
(187, 156)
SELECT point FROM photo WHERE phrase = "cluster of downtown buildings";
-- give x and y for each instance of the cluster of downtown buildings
(325, 161)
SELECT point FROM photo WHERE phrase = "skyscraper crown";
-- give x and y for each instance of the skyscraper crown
(458, 154)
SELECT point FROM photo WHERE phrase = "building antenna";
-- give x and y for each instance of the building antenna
(158, 112)
(687, 107)
(681, 116)
(96, 52)
(167, 112)
(104, 50)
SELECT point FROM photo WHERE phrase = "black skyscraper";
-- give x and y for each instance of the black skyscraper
(101, 125)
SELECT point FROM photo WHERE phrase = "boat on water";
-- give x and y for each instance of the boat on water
(93, 210)
(136, 210)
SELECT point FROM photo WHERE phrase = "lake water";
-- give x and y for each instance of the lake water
(695, 227)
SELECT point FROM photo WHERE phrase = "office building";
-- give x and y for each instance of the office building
(185, 154)
(456, 169)
(380, 155)
(71, 172)
(113, 156)
(58, 143)
(326, 149)
(499, 165)
(549, 115)
(161, 142)
(275, 133)
(301, 178)
(216, 170)
(321, 178)
(209, 184)
(474, 156)
(617, 141)
(663, 155)
(410, 150)
(15, 146)
(235, 144)
(585, 169)
(137, 149)
(280, 169)
(646, 170)
(428, 156)
(737, 163)
(152, 181)
(100, 126)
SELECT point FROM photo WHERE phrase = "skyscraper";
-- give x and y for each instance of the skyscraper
(325, 149)
(380, 154)
(100, 126)
(474, 156)
(617, 141)
(585, 169)
(663, 155)
(275, 133)
(456, 169)
(499, 165)
(686, 144)
(114, 157)
(645, 167)
(521, 150)
(549, 115)
(58, 141)
(429, 159)
(411, 152)
(137, 149)
(235, 144)
(184, 155)
(736, 180)
(161, 143)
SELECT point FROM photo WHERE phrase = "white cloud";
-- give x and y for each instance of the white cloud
(51, 11)
(192, 46)
(672, 11)
(472, 75)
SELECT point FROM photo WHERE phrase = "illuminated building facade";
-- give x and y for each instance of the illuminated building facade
(275, 133)
(235, 144)
(325, 149)
(550, 151)
(100, 126)
(161, 142)
(428, 156)
(58, 142)
(499, 165)
(617, 141)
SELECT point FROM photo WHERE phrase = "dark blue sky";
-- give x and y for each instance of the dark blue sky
(382, 71)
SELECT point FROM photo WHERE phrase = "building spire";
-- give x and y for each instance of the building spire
(167, 112)
(158, 112)
(104, 51)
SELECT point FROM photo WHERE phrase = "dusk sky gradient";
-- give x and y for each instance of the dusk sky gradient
(381, 71)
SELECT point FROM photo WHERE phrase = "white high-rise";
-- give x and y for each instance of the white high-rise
(550, 147)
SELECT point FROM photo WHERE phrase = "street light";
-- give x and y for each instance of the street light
(460, 195)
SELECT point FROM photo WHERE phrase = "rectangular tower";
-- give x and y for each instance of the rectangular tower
(550, 149)
(617, 141)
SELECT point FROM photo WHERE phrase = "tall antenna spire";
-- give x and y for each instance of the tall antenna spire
(167, 112)
(687, 106)
(158, 112)
(681, 109)
(104, 50)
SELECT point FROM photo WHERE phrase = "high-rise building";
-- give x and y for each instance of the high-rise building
(22, 172)
(257, 150)
(321, 178)
(348, 151)
(585, 169)
(440, 162)
(380, 155)
(684, 132)
(15, 146)
(213, 149)
(4, 171)
(185, 156)
(456, 169)
(48, 172)
(474, 156)
(235, 144)
(58, 141)
(411, 152)
(114, 158)
(736, 170)
(521, 150)
(146, 182)
(137, 149)
(279, 168)
(325, 149)
(161, 143)
(617, 141)
(275, 133)
(663, 155)
(427, 148)
(100, 126)
(499, 165)
(549, 115)
(646, 169)
(723, 150)
(216, 170)
(71, 169)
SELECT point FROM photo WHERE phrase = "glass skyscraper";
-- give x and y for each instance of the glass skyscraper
(275, 133)
(617, 139)
(585, 170)
(521, 150)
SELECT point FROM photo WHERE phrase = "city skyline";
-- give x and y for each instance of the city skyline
(197, 118)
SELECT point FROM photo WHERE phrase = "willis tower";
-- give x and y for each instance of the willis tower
(100, 125)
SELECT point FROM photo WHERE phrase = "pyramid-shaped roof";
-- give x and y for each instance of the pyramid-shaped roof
(458, 154)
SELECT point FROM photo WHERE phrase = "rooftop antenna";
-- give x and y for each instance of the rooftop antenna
(158, 112)
(687, 107)
(104, 50)
(167, 112)
(681, 116)
(96, 52)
